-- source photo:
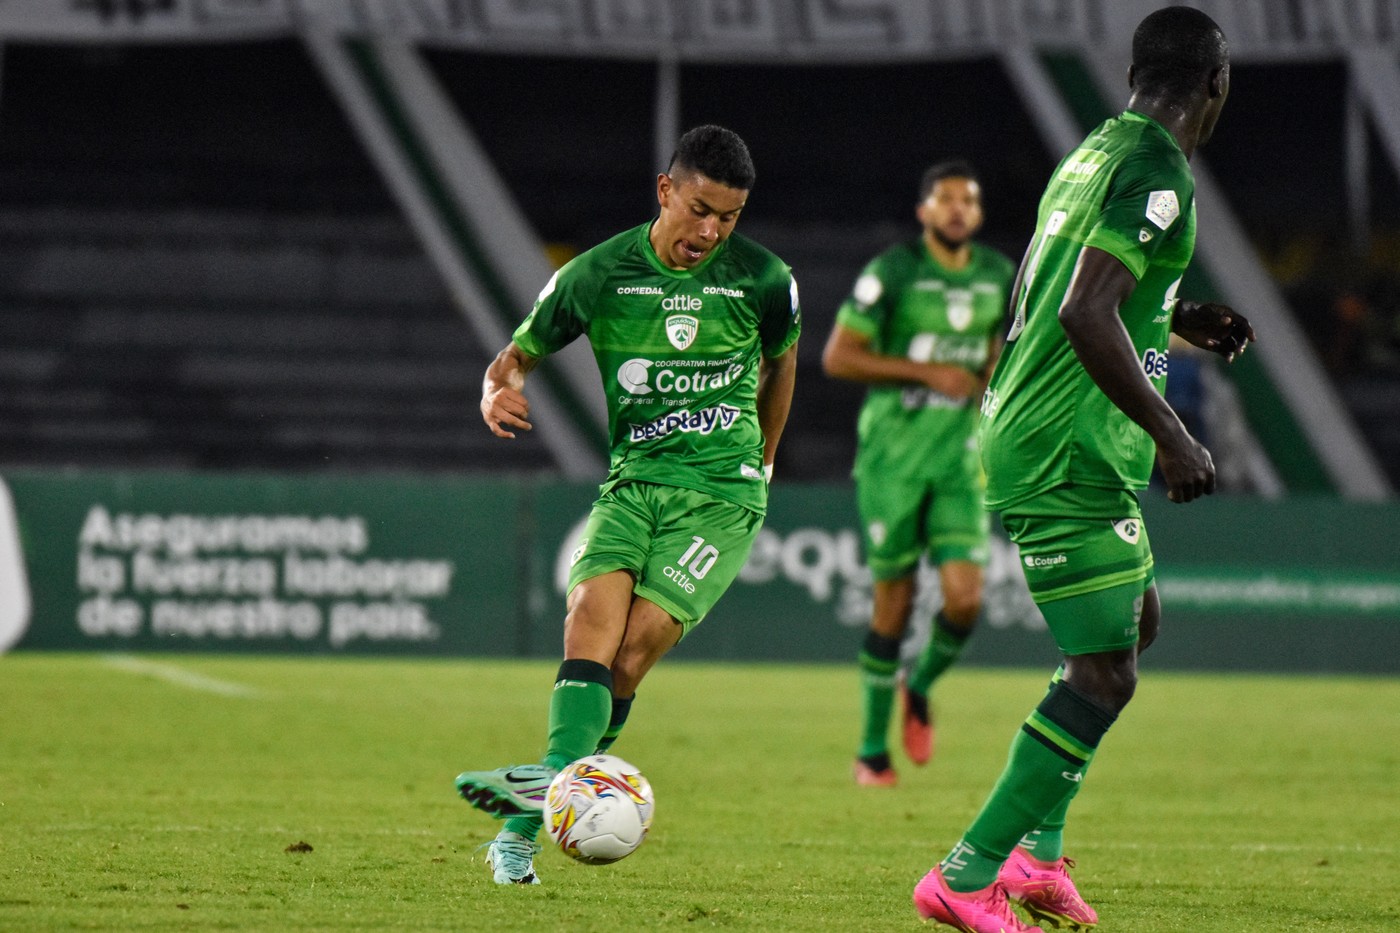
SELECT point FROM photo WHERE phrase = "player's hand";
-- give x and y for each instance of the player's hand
(1214, 327)
(504, 406)
(1187, 468)
(953, 381)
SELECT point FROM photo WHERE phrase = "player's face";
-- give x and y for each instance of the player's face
(697, 214)
(952, 212)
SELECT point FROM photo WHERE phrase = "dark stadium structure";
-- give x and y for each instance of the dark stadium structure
(204, 269)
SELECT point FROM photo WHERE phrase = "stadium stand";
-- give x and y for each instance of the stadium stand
(221, 282)
(200, 266)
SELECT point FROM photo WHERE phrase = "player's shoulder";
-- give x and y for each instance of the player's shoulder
(993, 260)
(755, 259)
(610, 251)
(899, 260)
(1149, 150)
(593, 266)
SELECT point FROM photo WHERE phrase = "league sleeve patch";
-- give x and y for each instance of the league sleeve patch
(868, 289)
(1163, 208)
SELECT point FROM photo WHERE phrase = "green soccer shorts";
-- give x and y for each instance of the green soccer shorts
(900, 519)
(683, 548)
(1086, 575)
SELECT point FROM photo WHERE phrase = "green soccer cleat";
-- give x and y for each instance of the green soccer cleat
(514, 791)
(511, 858)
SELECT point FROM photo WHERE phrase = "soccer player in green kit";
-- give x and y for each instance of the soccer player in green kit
(922, 327)
(694, 329)
(1070, 423)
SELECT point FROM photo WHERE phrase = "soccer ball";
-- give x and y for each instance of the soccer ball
(598, 809)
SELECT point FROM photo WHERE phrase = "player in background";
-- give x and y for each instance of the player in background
(695, 330)
(1070, 424)
(922, 328)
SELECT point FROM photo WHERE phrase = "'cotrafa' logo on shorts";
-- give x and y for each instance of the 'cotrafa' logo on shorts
(1128, 529)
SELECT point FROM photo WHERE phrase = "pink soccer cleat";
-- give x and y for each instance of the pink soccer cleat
(869, 776)
(984, 911)
(917, 724)
(1045, 891)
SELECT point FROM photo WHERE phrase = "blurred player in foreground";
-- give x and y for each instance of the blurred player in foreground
(1070, 424)
(923, 328)
(695, 332)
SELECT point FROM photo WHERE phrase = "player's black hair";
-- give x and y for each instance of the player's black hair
(716, 153)
(953, 168)
(1175, 48)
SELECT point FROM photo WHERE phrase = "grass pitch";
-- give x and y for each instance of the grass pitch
(231, 793)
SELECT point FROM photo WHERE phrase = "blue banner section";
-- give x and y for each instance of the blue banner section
(398, 565)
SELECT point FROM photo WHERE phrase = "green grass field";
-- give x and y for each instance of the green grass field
(172, 792)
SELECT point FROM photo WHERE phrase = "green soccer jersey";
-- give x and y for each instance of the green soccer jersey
(1127, 191)
(908, 304)
(679, 353)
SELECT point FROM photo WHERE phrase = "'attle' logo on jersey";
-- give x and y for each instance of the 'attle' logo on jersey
(681, 328)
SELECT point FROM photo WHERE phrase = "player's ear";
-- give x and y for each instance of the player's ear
(1219, 82)
(663, 187)
(1132, 76)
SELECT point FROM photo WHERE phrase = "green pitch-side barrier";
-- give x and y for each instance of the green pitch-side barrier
(442, 566)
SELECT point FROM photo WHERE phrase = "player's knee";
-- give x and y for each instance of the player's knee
(1124, 686)
(1110, 679)
(962, 607)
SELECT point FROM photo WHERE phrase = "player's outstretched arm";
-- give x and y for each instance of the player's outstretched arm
(1090, 319)
(776, 378)
(1214, 327)
(848, 355)
(503, 402)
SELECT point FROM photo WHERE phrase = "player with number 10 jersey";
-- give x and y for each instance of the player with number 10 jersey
(679, 354)
(694, 330)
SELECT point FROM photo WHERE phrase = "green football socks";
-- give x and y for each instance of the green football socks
(621, 708)
(943, 648)
(1048, 842)
(579, 712)
(1045, 768)
(879, 663)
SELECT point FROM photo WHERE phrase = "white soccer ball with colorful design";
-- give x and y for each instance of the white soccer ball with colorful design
(598, 809)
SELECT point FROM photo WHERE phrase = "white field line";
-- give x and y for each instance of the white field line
(178, 676)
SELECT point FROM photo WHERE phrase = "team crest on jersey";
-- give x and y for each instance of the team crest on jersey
(680, 330)
(1163, 208)
(959, 309)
